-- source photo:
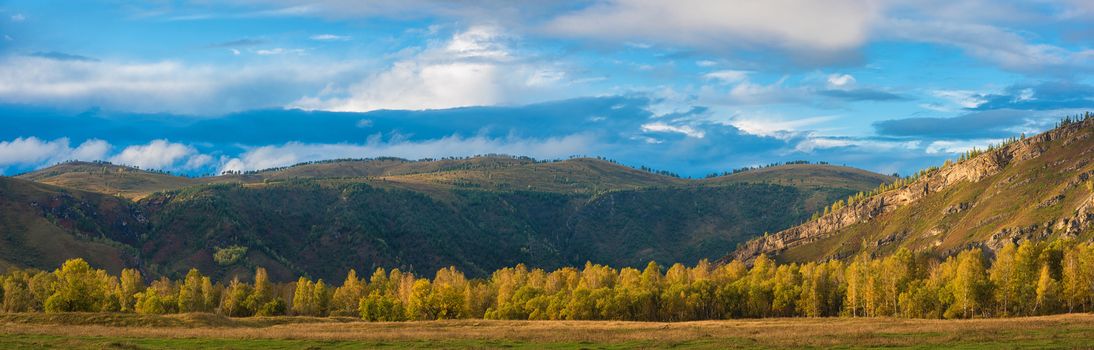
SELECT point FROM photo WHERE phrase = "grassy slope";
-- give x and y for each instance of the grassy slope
(94, 331)
(1010, 199)
(42, 225)
(108, 179)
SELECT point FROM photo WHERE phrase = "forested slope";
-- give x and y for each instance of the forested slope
(478, 214)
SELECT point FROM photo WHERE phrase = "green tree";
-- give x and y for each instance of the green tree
(303, 301)
(17, 295)
(1004, 276)
(971, 286)
(190, 296)
(79, 288)
(1047, 292)
(131, 284)
(346, 298)
(234, 303)
(262, 291)
(150, 303)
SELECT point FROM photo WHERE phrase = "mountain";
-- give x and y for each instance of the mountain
(42, 225)
(478, 214)
(1029, 188)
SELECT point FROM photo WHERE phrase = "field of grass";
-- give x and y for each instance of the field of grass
(196, 331)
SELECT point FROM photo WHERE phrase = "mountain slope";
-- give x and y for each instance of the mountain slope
(107, 178)
(1033, 188)
(42, 225)
(477, 214)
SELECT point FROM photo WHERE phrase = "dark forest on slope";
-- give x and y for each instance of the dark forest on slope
(477, 214)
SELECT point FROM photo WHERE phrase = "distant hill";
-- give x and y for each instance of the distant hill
(478, 214)
(1037, 188)
(107, 178)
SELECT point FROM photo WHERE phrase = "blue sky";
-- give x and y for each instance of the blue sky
(691, 86)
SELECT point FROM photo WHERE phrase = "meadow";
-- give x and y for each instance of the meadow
(202, 331)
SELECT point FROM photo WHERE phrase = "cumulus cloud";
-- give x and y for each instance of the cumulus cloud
(34, 151)
(773, 126)
(161, 154)
(473, 67)
(839, 81)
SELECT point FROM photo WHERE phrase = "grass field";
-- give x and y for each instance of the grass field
(101, 331)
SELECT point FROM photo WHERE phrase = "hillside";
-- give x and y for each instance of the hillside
(478, 214)
(1032, 188)
(42, 225)
(107, 178)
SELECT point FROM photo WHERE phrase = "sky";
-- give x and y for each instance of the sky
(688, 86)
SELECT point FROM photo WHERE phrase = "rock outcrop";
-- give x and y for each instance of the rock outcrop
(971, 170)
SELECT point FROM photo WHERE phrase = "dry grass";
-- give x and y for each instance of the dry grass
(1062, 331)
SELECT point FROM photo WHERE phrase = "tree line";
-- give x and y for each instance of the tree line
(1031, 278)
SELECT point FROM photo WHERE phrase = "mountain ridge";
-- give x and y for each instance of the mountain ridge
(478, 214)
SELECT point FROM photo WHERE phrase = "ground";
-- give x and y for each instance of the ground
(196, 331)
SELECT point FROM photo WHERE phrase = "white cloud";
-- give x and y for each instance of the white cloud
(165, 86)
(727, 76)
(747, 92)
(959, 146)
(18, 17)
(838, 81)
(687, 130)
(773, 126)
(295, 152)
(330, 37)
(30, 150)
(33, 151)
(1004, 48)
(280, 51)
(706, 63)
(719, 25)
(473, 67)
(812, 143)
(962, 98)
(160, 154)
(90, 150)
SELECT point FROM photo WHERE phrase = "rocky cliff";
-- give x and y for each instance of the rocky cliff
(973, 170)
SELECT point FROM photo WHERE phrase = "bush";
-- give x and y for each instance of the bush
(275, 307)
(229, 255)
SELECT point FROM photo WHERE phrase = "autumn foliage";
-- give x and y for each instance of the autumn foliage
(1031, 278)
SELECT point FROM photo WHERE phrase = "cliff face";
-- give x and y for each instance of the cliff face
(969, 171)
